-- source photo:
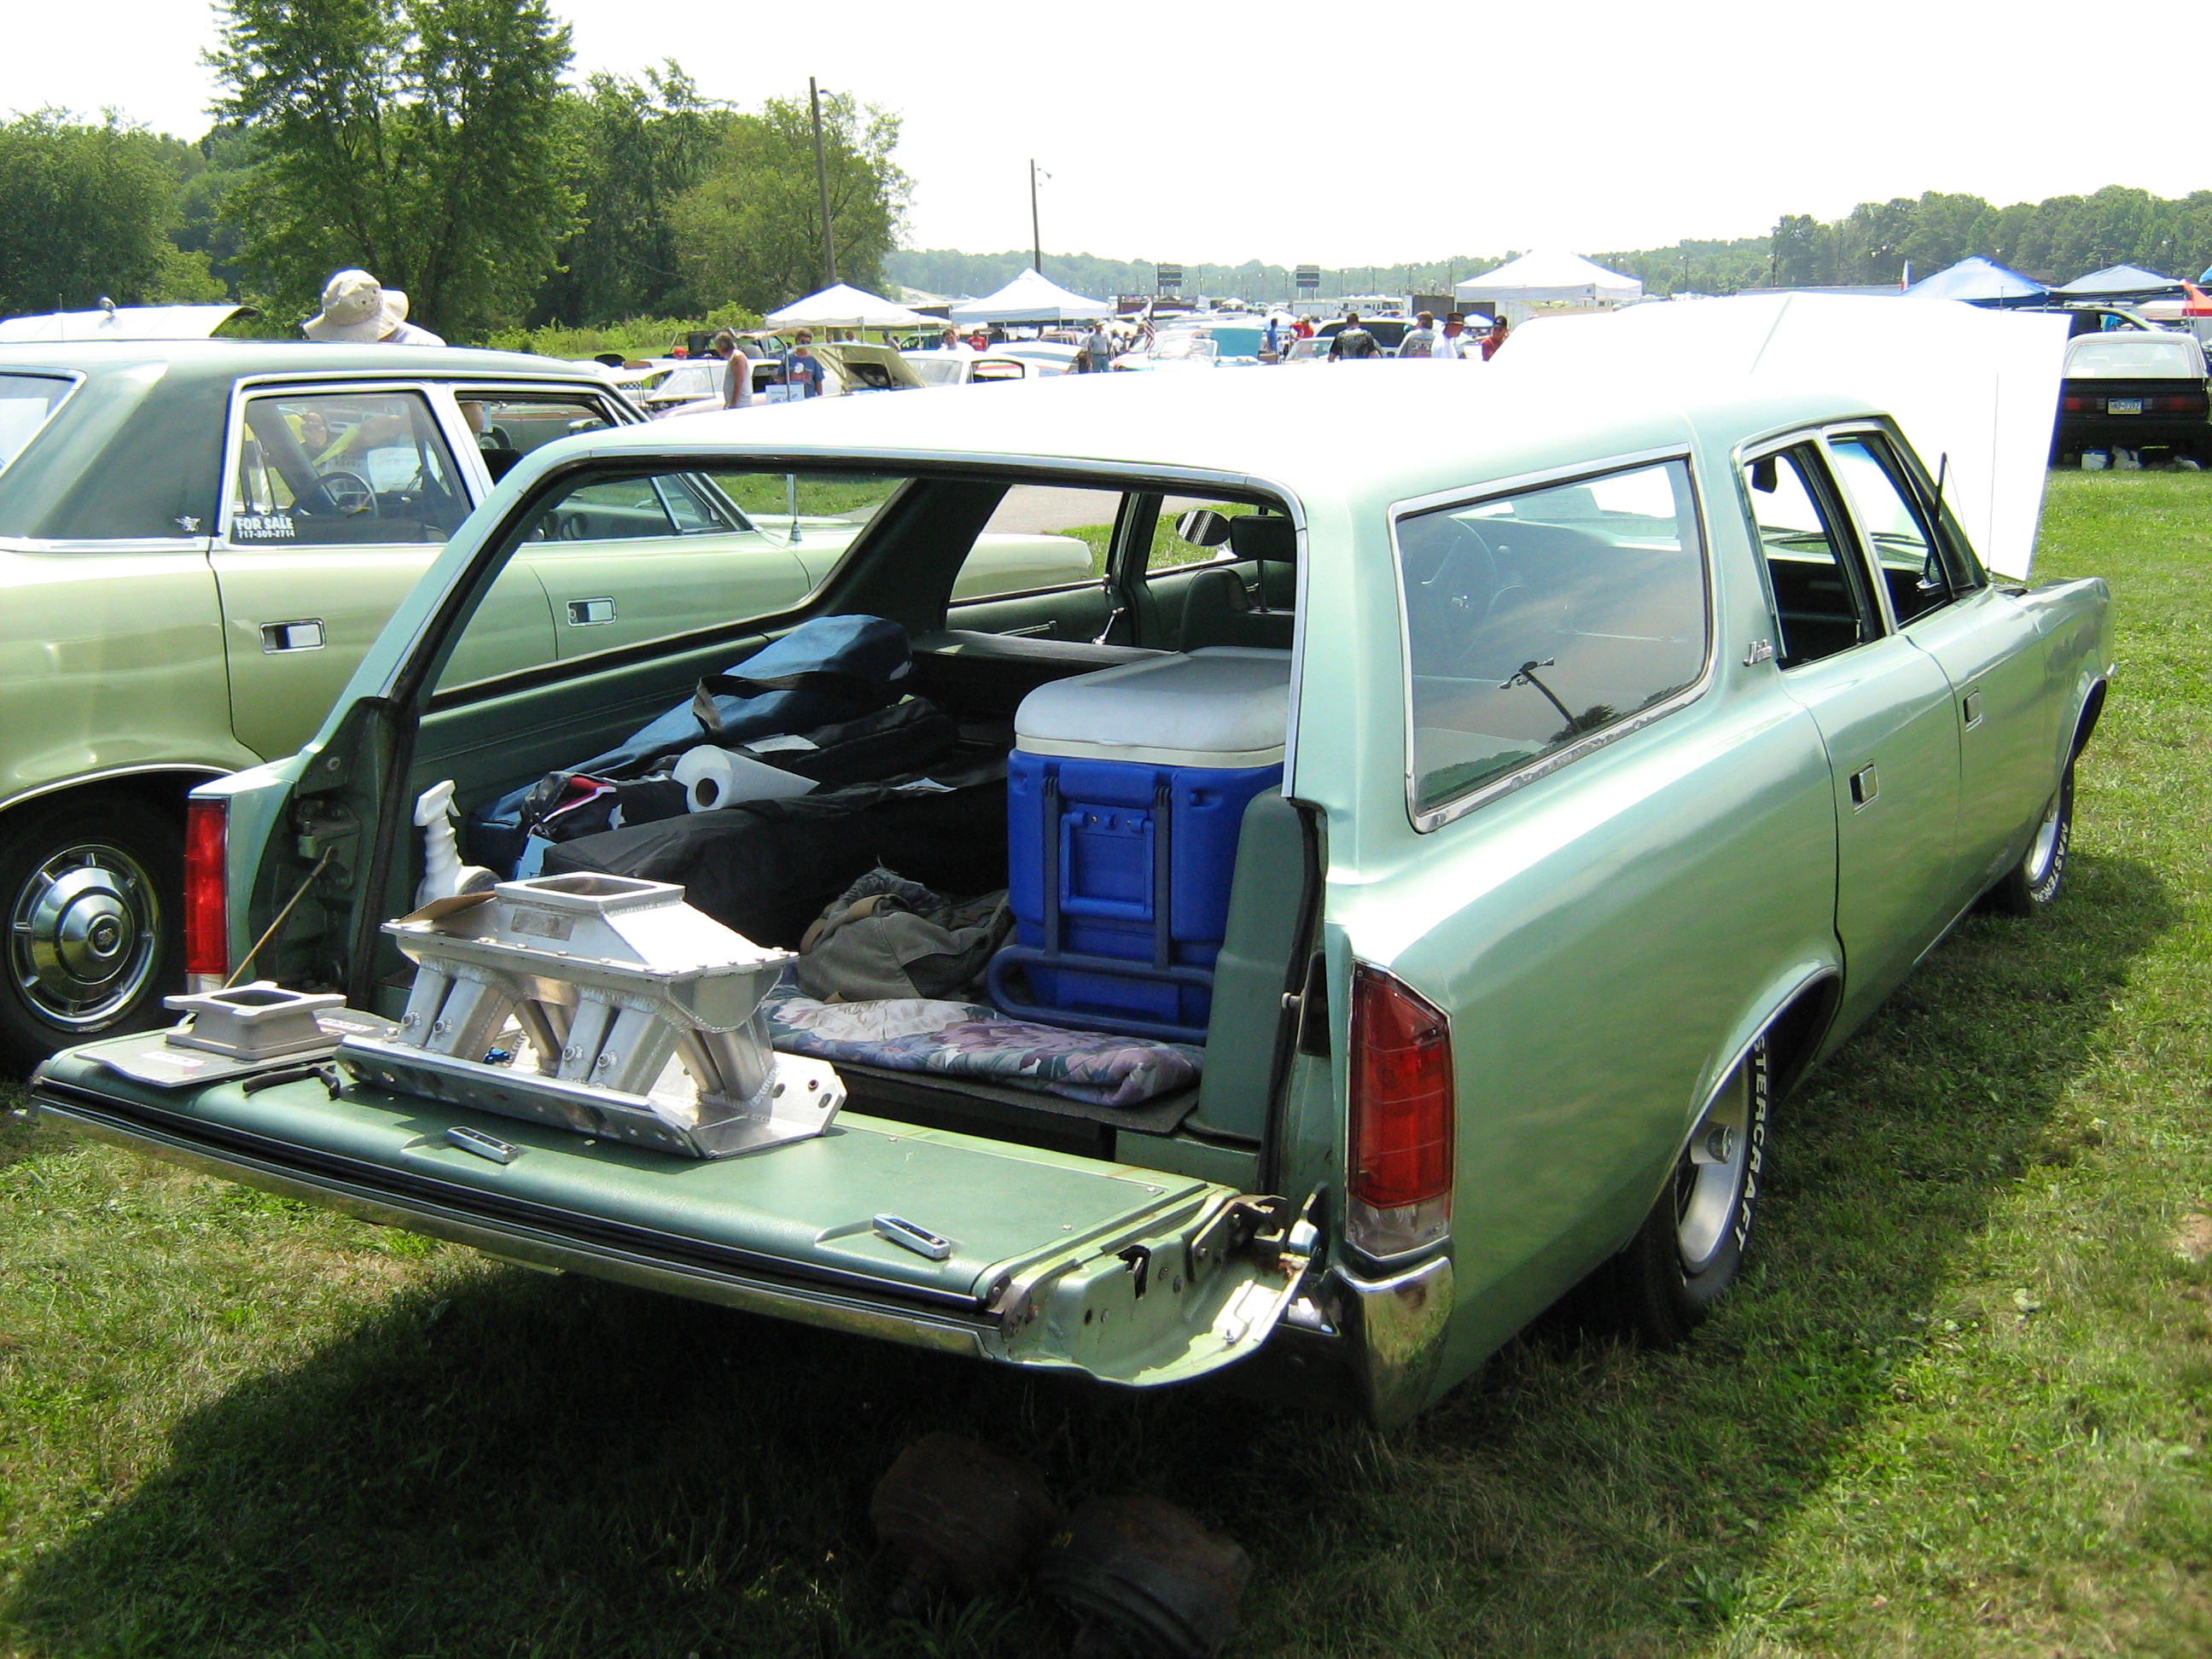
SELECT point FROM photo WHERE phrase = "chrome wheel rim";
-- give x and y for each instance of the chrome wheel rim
(82, 936)
(1709, 1184)
(2044, 847)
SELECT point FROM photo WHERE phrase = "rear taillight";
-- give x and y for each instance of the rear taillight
(1403, 1113)
(2187, 402)
(2081, 405)
(207, 941)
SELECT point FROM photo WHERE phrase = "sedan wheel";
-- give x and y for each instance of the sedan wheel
(89, 930)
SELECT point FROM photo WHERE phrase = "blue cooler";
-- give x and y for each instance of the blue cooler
(1125, 793)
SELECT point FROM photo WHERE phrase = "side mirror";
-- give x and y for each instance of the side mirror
(1203, 528)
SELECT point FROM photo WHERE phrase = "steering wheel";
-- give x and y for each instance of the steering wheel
(348, 492)
(1462, 592)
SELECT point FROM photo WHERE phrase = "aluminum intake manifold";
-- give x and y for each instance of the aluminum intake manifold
(564, 999)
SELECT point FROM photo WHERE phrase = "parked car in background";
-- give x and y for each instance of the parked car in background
(996, 366)
(1390, 332)
(198, 540)
(1056, 356)
(1638, 736)
(2135, 389)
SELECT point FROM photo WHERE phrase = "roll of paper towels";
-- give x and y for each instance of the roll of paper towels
(712, 777)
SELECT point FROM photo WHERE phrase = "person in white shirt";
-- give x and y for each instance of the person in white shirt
(1453, 340)
(358, 310)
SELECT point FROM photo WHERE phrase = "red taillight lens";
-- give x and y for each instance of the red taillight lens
(2080, 405)
(207, 941)
(2186, 402)
(1403, 1113)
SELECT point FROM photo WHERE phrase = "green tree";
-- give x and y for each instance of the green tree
(1941, 232)
(88, 208)
(635, 146)
(418, 139)
(1796, 250)
(751, 230)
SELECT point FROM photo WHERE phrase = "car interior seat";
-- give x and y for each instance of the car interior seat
(1218, 608)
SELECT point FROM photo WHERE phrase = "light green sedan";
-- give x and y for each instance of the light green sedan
(198, 541)
(1640, 740)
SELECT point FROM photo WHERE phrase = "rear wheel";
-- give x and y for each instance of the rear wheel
(2034, 882)
(88, 888)
(1692, 1244)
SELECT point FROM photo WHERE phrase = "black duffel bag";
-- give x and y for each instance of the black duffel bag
(767, 868)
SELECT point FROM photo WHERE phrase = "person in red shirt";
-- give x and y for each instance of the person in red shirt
(1494, 339)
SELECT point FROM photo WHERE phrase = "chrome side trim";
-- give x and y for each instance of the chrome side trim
(1395, 1329)
(535, 1247)
(117, 545)
(150, 768)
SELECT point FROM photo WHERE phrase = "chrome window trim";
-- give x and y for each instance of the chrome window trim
(1909, 487)
(430, 382)
(1436, 817)
(1753, 449)
(911, 463)
(441, 413)
(75, 376)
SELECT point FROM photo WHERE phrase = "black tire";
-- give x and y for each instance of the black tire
(90, 891)
(2035, 882)
(1691, 1246)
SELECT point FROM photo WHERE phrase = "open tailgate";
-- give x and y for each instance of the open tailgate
(1130, 1275)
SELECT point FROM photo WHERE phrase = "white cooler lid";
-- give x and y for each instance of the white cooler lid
(1221, 706)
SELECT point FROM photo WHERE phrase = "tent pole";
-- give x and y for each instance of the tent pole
(1037, 238)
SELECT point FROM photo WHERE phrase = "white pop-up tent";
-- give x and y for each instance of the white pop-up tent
(847, 307)
(1538, 277)
(1974, 390)
(1029, 298)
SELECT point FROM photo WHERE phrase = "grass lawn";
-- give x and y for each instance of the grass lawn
(1960, 1406)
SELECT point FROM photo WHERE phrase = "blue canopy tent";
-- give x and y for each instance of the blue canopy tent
(2122, 283)
(1978, 282)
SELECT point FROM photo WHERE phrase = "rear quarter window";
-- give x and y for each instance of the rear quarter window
(26, 402)
(1537, 622)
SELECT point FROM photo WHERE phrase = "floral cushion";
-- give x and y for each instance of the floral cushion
(966, 1039)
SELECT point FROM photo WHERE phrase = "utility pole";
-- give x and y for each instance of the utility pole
(822, 188)
(1037, 239)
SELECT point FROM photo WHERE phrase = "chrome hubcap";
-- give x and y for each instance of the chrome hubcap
(82, 936)
(1709, 1186)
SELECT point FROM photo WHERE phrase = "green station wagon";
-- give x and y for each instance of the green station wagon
(1637, 746)
(199, 539)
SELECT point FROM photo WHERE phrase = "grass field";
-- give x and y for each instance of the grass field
(1960, 1406)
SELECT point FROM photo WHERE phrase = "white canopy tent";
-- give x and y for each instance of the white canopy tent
(847, 307)
(1029, 298)
(1974, 390)
(1534, 278)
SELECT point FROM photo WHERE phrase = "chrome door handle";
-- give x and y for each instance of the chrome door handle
(1972, 709)
(305, 634)
(589, 613)
(1865, 786)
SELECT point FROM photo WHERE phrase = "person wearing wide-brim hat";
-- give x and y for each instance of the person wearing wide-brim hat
(358, 310)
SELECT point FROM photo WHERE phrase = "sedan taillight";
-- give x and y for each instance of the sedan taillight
(1404, 1114)
(206, 885)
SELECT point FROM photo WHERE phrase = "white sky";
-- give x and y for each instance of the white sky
(1292, 132)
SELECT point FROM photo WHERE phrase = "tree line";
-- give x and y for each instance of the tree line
(441, 145)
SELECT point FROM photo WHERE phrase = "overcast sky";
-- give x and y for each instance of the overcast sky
(1298, 132)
